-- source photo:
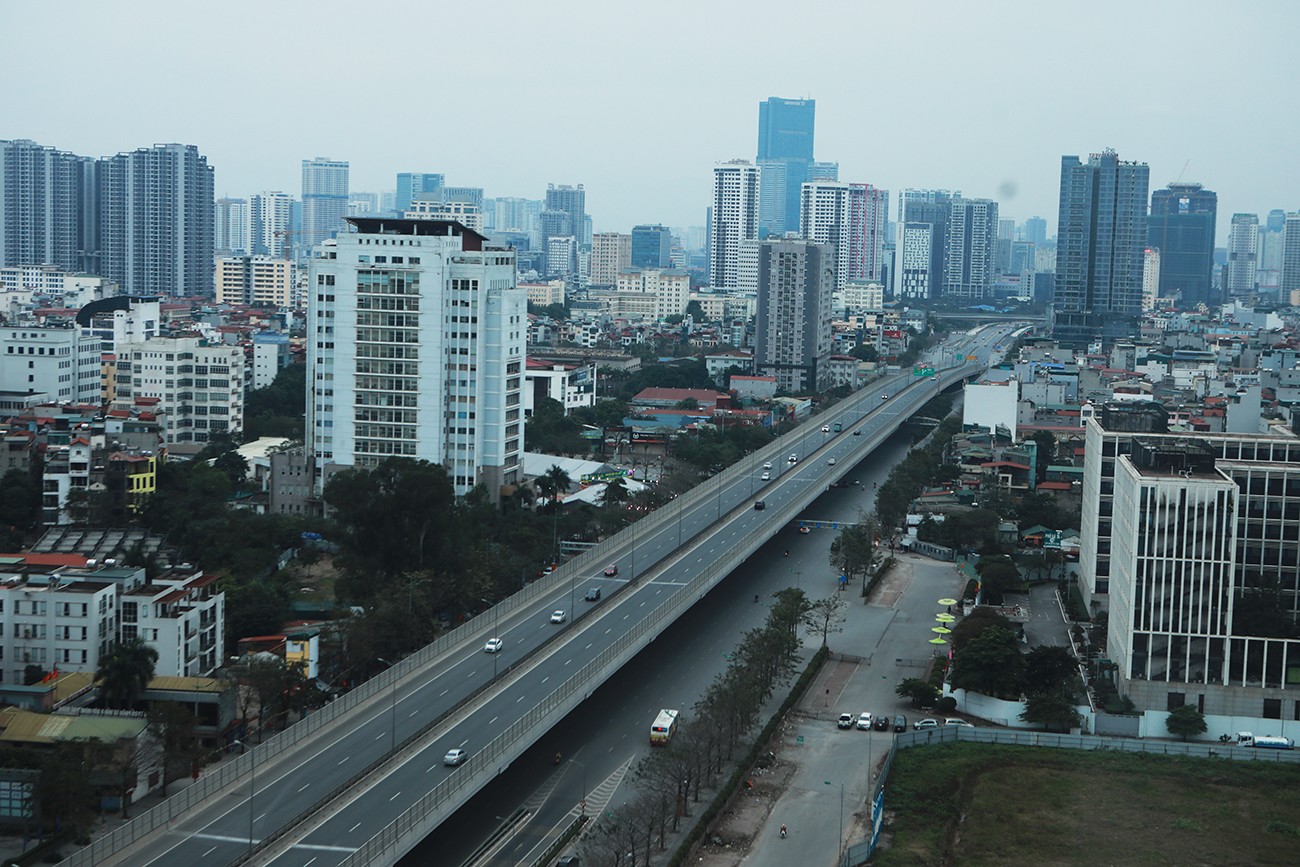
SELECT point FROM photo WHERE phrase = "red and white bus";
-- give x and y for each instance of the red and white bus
(663, 728)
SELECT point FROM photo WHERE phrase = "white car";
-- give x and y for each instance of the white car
(766, 477)
(767, 465)
(455, 757)
(864, 721)
(846, 721)
(559, 615)
(957, 723)
(794, 459)
(493, 645)
(830, 462)
(826, 428)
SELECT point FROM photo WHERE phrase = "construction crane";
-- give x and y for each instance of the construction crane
(285, 235)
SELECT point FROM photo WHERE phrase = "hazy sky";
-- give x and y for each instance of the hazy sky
(637, 101)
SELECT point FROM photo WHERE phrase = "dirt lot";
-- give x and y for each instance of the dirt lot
(735, 831)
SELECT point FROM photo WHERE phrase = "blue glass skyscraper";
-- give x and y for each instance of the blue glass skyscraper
(785, 138)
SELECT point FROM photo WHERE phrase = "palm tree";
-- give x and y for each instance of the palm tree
(545, 487)
(560, 481)
(616, 493)
(124, 672)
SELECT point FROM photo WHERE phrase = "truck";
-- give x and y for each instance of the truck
(1264, 742)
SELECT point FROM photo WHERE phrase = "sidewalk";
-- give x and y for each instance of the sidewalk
(823, 775)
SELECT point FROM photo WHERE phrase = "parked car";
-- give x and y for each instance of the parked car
(925, 724)
(559, 615)
(959, 723)
(611, 570)
(880, 723)
(759, 505)
(864, 721)
(593, 594)
(900, 723)
(455, 757)
(846, 721)
(493, 645)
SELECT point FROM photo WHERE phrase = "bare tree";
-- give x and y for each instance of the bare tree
(825, 616)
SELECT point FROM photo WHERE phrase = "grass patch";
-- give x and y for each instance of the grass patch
(976, 804)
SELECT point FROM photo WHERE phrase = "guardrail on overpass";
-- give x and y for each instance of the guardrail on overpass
(233, 772)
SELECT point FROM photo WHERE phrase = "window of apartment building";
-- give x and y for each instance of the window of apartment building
(1272, 708)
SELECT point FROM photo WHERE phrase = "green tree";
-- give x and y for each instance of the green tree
(990, 664)
(278, 410)
(1184, 721)
(172, 726)
(20, 503)
(974, 624)
(616, 493)
(921, 693)
(998, 575)
(1049, 668)
(695, 310)
(559, 482)
(1046, 443)
(234, 467)
(124, 672)
(550, 431)
(865, 352)
(1055, 710)
(255, 607)
(395, 517)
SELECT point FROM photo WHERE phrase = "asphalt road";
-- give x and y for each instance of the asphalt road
(219, 836)
(610, 729)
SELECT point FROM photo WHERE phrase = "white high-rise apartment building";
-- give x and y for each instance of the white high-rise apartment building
(199, 386)
(1243, 254)
(852, 218)
(611, 253)
(1291, 254)
(270, 220)
(1150, 277)
(60, 362)
(260, 281)
(416, 332)
(232, 226)
(467, 214)
(670, 288)
(735, 224)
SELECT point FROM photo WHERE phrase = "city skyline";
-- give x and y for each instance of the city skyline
(1140, 109)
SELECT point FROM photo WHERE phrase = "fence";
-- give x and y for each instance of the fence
(230, 773)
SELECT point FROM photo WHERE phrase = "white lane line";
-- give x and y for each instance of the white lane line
(395, 796)
(354, 827)
(305, 787)
(209, 852)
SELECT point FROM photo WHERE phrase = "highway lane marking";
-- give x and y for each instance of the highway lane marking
(521, 698)
(209, 852)
(260, 817)
(395, 796)
(304, 788)
(548, 677)
(312, 861)
(345, 760)
(494, 719)
(444, 692)
(380, 735)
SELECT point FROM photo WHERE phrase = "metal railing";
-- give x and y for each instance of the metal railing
(232, 772)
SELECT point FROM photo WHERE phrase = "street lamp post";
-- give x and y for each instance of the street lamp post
(495, 622)
(252, 788)
(394, 696)
(839, 844)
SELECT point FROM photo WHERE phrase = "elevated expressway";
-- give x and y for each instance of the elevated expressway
(362, 780)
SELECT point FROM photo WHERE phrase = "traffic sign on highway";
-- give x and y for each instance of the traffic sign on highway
(923, 371)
